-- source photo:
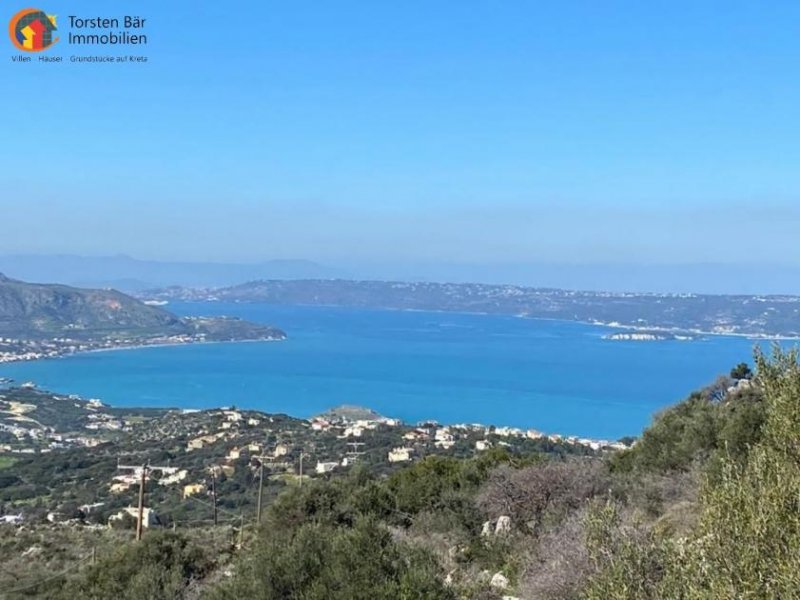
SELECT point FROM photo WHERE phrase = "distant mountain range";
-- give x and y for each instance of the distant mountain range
(130, 274)
(758, 316)
(47, 311)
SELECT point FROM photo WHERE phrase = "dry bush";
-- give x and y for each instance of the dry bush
(558, 567)
(655, 495)
(544, 492)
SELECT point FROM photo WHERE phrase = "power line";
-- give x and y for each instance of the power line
(210, 505)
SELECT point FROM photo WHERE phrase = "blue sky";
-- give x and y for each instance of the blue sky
(414, 131)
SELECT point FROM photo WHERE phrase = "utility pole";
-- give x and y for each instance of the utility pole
(302, 456)
(354, 453)
(143, 472)
(214, 491)
(140, 521)
(260, 490)
(261, 477)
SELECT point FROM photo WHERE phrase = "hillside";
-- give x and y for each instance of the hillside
(42, 310)
(489, 517)
(63, 316)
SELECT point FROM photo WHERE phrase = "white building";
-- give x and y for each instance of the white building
(149, 518)
(400, 455)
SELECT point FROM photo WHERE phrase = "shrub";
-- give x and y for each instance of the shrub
(323, 562)
(159, 567)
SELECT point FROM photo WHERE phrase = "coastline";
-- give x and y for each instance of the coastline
(610, 324)
(165, 345)
(139, 346)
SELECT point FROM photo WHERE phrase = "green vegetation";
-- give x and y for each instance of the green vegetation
(703, 506)
(711, 423)
(49, 320)
(745, 543)
(162, 566)
(317, 561)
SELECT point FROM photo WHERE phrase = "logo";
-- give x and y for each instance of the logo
(31, 30)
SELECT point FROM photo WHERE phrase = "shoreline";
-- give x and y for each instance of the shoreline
(166, 345)
(137, 347)
(610, 325)
(503, 430)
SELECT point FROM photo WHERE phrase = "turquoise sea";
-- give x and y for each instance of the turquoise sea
(554, 376)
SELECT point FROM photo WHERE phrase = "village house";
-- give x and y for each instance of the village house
(149, 517)
(325, 467)
(320, 425)
(195, 444)
(119, 487)
(199, 442)
(174, 477)
(443, 438)
(400, 455)
(353, 431)
(416, 435)
(508, 432)
(232, 416)
(193, 489)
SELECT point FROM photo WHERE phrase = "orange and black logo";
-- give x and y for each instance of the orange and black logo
(32, 30)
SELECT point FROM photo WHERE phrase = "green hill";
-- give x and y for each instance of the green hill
(47, 311)
(38, 310)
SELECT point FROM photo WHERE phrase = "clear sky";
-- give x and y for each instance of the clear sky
(417, 130)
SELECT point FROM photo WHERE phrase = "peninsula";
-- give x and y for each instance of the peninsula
(766, 316)
(45, 321)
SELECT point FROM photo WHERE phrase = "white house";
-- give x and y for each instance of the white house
(400, 455)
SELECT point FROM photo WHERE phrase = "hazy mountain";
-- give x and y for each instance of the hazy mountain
(133, 275)
(130, 274)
